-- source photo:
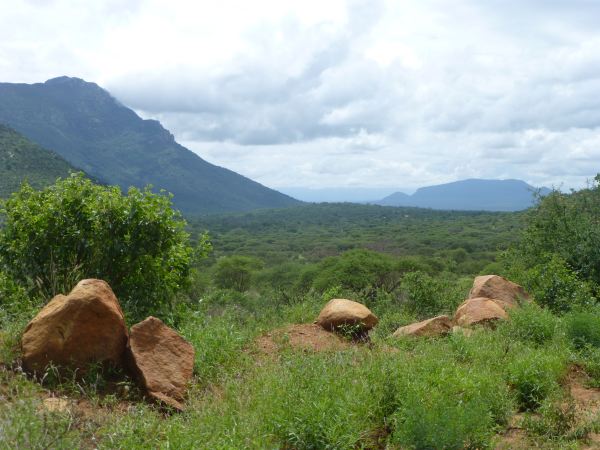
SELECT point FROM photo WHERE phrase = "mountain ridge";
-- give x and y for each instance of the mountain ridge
(92, 130)
(473, 194)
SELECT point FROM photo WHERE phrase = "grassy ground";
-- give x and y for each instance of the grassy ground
(524, 384)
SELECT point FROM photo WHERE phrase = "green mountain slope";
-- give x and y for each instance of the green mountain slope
(22, 160)
(89, 128)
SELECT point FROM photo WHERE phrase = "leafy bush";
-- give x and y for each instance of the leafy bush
(566, 225)
(236, 272)
(583, 328)
(530, 323)
(426, 296)
(358, 270)
(76, 229)
(534, 375)
(553, 284)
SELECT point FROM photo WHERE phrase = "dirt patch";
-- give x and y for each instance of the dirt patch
(514, 437)
(307, 337)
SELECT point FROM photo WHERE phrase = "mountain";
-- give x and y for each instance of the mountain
(22, 160)
(470, 195)
(85, 125)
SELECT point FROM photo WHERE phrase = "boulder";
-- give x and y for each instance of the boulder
(162, 360)
(339, 311)
(479, 311)
(87, 326)
(506, 293)
(436, 326)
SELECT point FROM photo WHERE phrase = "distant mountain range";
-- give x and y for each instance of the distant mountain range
(91, 130)
(22, 160)
(469, 195)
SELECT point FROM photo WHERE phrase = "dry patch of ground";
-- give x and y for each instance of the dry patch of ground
(306, 337)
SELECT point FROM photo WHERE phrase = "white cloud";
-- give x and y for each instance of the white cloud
(390, 93)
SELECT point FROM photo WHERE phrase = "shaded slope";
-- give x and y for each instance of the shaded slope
(89, 128)
(22, 160)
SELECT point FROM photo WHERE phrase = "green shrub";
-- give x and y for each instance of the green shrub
(77, 229)
(358, 270)
(530, 323)
(426, 296)
(554, 285)
(236, 272)
(442, 405)
(534, 374)
(583, 329)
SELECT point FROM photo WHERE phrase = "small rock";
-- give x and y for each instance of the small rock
(506, 293)
(339, 311)
(162, 360)
(437, 326)
(479, 311)
(87, 326)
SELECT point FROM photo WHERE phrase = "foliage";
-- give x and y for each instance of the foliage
(534, 375)
(236, 272)
(426, 296)
(358, 270)
(567, 225)
(552, 282)
(75, 229)
(531, 324)
(583, 329)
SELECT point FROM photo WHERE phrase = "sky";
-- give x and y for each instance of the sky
(339, 95)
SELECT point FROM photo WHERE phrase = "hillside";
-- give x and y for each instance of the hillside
(89, 128)
(469, 195)
(22, 160)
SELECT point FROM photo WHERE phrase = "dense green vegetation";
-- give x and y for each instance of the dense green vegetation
(454, 392)
(76, 229)
(89, 128)
(22, 160)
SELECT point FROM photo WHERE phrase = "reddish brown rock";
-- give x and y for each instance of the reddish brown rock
(340, 311)
(479, 311)
(162, 360)
(437, 326)
(506, 293)
(84, 327)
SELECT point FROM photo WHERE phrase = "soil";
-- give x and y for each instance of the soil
(307, 337)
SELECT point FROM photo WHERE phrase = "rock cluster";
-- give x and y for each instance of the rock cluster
(87, 326)
(489, 299)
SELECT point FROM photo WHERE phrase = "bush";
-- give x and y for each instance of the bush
(426, 296)
(530, 323)
(236, 272)
(583, 329)
(534, 375)
(76, 229)
(358, 270)
(554, 285)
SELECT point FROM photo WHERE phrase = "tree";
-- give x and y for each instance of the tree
(77, 229)
(236, 272)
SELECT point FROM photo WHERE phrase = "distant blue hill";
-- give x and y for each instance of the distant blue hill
(470, 195)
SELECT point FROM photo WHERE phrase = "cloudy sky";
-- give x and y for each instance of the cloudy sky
(384, 95)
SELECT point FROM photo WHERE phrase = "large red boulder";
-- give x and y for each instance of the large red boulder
(479, 311)
(436, 326)
(162, 360)
(87, 326)
(506, 293)
(339, 312)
